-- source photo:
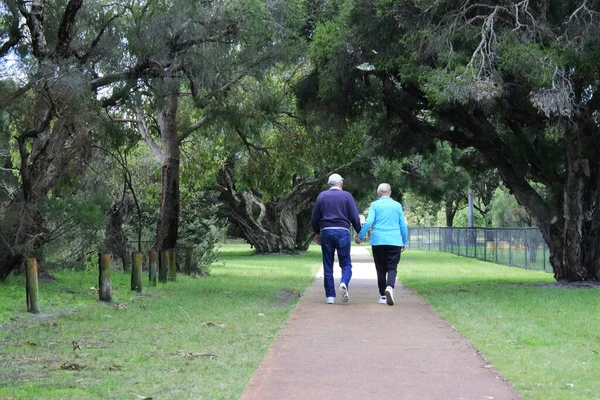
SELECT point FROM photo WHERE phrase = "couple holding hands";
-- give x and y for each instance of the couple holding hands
(335, 212)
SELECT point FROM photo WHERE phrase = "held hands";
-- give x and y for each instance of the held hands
(318, 238)
(357, 240)
(402, 248)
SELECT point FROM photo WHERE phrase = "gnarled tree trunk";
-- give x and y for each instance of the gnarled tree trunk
(272, 227)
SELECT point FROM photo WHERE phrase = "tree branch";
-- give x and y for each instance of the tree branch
(15, 95)
(83, 58)
(35, 22)
(65, 30)
(251, 145)
(144, 131)
(193, 128)
(14, 33)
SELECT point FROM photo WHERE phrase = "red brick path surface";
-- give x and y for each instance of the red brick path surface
(365, 350)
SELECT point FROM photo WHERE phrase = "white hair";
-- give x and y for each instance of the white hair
(384, 189)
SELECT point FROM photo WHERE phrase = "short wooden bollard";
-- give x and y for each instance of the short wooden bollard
(172, 264)
(188, 260)
(153, 267)
(105, 278)
(137, 259)
(31, 286)
(163, 266)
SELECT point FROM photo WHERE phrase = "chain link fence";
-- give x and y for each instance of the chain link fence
(516, 247)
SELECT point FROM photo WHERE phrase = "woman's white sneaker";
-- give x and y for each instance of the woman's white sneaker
(389, 294)
(382, 300)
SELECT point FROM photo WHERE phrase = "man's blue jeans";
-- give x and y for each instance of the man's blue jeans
(332, 240)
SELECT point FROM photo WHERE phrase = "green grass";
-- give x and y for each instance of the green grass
(204, 338)
(194, 338)
(544, 340)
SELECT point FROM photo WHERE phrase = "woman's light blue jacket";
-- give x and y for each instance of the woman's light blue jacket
(386, 217)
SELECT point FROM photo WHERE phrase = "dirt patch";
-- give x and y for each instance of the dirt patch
(285, 298)
(571, 285)
(560, 285)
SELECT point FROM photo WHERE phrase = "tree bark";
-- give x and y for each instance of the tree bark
(450, 211)
(272, 227)
(168, 220)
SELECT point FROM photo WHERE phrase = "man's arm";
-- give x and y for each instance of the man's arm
(353, 211)
(315, 219)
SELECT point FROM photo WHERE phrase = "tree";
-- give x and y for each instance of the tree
(202, 52)
(515, 80)
(274, 173)
(49, 113)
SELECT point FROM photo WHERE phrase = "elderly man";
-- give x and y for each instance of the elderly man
(334, 212)
(388, 238)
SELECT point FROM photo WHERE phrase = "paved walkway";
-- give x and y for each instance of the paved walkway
(365, 350)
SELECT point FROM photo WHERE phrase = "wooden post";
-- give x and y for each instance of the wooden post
(163, 266)
(105, 280)
(31, 286)
(137, 259)
(153, 267)
(189, 251)
(172, 264)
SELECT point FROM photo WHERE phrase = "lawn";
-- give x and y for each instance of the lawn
(543, 338)
(199, 338)
(203, 338)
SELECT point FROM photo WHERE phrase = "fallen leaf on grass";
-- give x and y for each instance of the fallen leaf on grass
(120, 306)
(72, 367)
(261, 314)
(114, 368)
(192, 355)
(215, 324)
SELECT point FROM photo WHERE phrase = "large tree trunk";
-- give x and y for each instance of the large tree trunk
(450, 212)
(272, 227)
(168, 220)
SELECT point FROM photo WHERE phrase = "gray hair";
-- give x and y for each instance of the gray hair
(384, 189)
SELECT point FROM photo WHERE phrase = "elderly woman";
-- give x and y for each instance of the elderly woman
(389, 235)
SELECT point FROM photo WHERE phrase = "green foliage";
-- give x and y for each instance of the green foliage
(76, 224)
(436, 175)
(462, 218)
(506, 212)
(201, 228)
(421, 211)
(532, 63)
(91, 264)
